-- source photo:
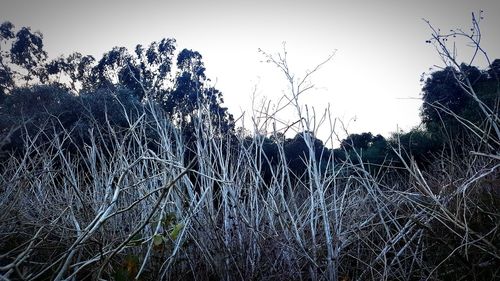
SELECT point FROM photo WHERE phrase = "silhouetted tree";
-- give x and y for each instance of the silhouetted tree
(460, 103)
(147, 74)
(22, 58)
(445, 101)
(30, 110)
(372, 149)
(377, 150)
(297, 152)
(357, 141)
(192, 99)
(417, 144)
(441, 92)
(76, 68)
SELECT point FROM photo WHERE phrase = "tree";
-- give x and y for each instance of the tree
(442, 93)
(371, 149)
(191, 99)
(298, 153)
(451, 112)
(357, 141)
(147, 73)
(76, 69)
(43, 112)
(417, 144)
(22, 57)
(482, 107)
(27, 111)
(110, 69)
(154, 65)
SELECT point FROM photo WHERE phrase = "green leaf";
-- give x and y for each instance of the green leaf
(176, 230)
(157, 240)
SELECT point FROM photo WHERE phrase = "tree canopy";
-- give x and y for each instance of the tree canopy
(32, 86)
(147, 74)
(446, 100)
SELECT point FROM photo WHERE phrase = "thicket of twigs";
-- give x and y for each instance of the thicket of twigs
(118, 209)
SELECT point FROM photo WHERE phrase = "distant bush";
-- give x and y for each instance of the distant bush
(43, 112)
(28, 111)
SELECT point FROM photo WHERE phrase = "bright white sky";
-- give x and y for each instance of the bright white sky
(373, 78)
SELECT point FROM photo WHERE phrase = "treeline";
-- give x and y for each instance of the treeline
(82, 91)
(31, 85)
(449, 114)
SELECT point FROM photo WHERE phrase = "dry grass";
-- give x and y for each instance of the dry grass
(126, 211)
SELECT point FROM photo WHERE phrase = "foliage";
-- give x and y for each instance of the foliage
(44, 112)
(364, 147)
(22, 57)
(145, 218)
(297, 152)
(76, 68)
(26, 111)
(144, 72)
(416, 145)
(443, 97)
(191, 94)
(101, 88)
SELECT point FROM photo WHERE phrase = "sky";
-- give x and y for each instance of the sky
(371, 84)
